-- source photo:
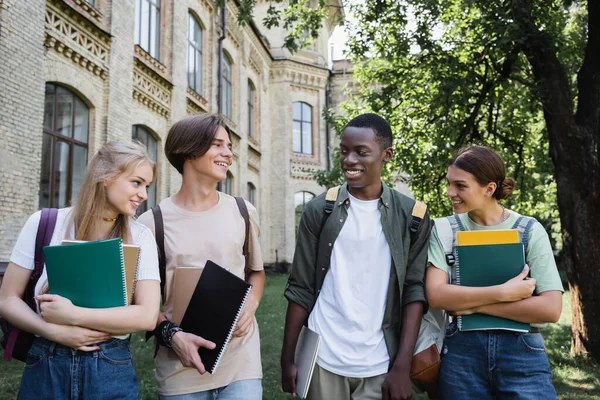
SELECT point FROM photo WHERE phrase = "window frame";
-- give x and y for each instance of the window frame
(303, 121)
(251, 109)
(227, 86)
(149, 135)
(154, 9)
(56, 138)
(196, 48)
(251, 193)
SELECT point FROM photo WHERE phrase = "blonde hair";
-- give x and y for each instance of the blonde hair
(112, 160)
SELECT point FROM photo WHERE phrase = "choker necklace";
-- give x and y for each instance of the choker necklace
(111, 219)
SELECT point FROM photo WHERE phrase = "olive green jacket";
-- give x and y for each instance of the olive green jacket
(312, 257)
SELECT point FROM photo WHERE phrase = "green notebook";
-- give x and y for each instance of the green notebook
(489, 265)
(90, 274)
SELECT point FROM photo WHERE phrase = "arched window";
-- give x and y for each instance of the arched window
(251, 108)
(147, 26)
(226, 89)
(144, 136)
(64, 148)
(300, 200)
(194, 55)
(302, 127)
(226, 186)
(251, 193)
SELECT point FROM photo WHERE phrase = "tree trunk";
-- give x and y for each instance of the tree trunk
(574, 140)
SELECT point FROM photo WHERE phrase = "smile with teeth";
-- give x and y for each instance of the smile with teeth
(222, 164)
(456, 202)
(353, 171)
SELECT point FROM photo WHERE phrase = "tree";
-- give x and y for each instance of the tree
(522, 76)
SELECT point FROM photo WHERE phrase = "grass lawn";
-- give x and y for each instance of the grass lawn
(574, 378)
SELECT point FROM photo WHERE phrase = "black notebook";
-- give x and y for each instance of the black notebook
(214, 310)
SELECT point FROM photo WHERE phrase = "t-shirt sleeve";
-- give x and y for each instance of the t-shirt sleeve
(23, 253)
(255, 259)
(148, 268)
(436, 255)
(540, 259)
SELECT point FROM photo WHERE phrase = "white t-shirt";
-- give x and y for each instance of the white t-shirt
(24, 251)
(349, 311)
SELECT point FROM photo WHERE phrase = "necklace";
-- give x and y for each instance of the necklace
(111, 219)
(503, 217)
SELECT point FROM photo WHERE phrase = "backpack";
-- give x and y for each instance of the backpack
(16, 343)
(426, 360)
(162, 258)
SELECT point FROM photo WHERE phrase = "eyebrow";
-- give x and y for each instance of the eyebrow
(140, 178)
(457, 180)
(222, 141)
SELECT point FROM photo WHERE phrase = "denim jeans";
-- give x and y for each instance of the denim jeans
(495, 365)
(248, 389)
(53, 371)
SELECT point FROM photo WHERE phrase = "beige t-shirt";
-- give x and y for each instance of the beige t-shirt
(192, 238)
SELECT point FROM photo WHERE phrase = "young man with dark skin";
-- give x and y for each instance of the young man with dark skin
(357, 280)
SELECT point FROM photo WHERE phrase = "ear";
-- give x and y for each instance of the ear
(490, 189)
(388, 154)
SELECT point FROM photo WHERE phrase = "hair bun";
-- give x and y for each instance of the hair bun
(505, 189)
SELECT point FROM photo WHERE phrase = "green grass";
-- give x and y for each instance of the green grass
(574, 378)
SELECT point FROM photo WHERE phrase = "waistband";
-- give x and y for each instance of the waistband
(56, 348)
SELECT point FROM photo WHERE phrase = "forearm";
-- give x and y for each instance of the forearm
(457, 298)
(535, 309)
(257, 280)
(412, 315)
(18, 313)
(295, 317)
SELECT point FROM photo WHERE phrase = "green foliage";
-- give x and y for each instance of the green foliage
(301, 19)
(448, 73)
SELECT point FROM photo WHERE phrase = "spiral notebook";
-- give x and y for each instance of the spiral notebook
(488, 265)
(214, 309)
(131, 258)
(90, 274)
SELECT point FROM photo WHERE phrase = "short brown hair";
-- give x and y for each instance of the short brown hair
(191, 137)
(486, 166)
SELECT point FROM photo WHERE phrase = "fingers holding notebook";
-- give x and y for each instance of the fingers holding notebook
(186, 347)
(57, 309)
(246, 318)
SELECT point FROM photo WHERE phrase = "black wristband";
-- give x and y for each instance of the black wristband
(165, 332)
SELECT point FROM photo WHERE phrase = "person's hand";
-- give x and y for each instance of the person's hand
(288, 377)
(186, 347)
(246, 318)
(57, 309)
(518, 288)
(397, 385)
(77, 337)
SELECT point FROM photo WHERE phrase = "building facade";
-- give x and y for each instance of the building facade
(77, 73)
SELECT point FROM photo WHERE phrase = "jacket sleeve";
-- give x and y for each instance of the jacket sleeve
(414, 283)
(301, 282)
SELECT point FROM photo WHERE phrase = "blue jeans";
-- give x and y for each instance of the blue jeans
(53, 371)
(248, 389)
(494, 365)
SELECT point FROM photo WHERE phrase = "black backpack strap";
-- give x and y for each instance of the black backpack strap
(418, 213)
(44, 236)
(159, 234)
(241, 203)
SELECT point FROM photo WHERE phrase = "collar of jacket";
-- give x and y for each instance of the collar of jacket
(384, 199)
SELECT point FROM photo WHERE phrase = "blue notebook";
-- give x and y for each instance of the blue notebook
(90, 274)
(489, 265)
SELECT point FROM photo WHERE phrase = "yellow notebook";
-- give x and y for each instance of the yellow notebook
(131, 258)
(494, 236)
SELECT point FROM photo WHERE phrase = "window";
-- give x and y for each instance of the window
(251, 193)
(300, 200)
(194, 55)
(147, 26)
(251, 111)
(302, 126)
(91, 2)
(226, 91)
(226, 186)
(64, 147)
(144, 136)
